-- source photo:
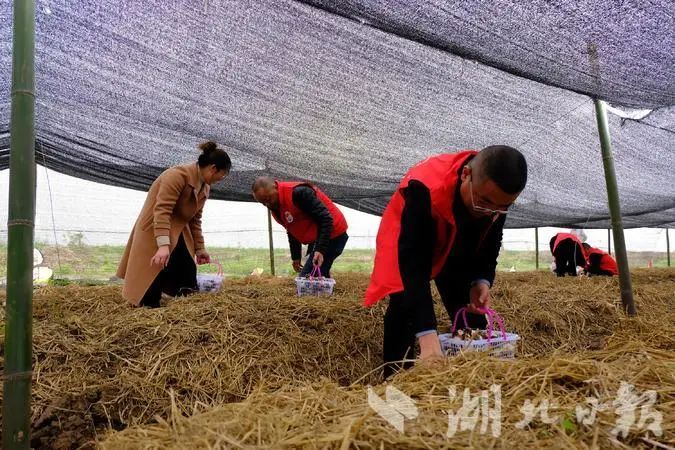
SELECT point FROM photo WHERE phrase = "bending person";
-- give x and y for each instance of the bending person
(309, 217)
(568, 252)
(444, 223)
(599, 262)
(160, 254)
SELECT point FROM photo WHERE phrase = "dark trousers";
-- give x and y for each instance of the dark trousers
(592, 272)
(568, 255)
(399, 336)
(179, 277)
(335, 248)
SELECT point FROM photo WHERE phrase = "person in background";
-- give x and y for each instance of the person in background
(599, 262)
(568, 252)
(444, 223)
(309, 217)
(160, 254)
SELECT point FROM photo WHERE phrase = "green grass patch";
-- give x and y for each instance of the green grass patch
(76, 261)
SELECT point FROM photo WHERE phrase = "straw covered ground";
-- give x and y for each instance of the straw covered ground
(256, 367)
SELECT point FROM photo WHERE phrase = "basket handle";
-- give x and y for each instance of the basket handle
(220, 272)
(491, 315)
(316, 272)
(454, 322)
(216, 262)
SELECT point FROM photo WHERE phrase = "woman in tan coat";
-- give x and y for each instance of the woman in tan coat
(167, 236)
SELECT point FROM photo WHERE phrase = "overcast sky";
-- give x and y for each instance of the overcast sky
(106, 214)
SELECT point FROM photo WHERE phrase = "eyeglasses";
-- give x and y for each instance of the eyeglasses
(481, 208)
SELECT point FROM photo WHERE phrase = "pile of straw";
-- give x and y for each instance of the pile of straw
(324, 415)
(100, 363)
(255, 352)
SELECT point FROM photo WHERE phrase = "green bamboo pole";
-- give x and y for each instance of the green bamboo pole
(20, 229)
(609, 241)
(614, 208)
(536, 248)
(668, 247)
(271, 239)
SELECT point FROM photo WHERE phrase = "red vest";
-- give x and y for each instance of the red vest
(300, 225)
(606, 263)
(439, 175)
(562, 236)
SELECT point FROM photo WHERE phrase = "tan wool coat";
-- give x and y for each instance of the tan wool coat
(173, 206)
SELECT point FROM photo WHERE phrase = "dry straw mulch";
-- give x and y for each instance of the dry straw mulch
(324, 415)
(282, 366)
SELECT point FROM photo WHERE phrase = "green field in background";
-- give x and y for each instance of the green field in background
(100, 262)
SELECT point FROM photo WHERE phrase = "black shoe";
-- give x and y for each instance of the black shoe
(150, 304)
(185, 291)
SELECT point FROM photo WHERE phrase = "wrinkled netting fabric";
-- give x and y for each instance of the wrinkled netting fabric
(617, 51)
(351, 98)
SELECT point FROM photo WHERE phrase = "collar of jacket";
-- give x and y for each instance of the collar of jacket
(196, 182)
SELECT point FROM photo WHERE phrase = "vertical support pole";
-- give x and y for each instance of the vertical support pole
(609, 241)
(614, 208)
(20, 234)
(271, 239)
(536, 248)
(668, 247)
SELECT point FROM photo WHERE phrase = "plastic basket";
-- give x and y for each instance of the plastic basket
(209, 282)
(315, 284)
(502, 346)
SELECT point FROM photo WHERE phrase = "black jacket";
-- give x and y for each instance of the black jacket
(471, 258)
(305, 198)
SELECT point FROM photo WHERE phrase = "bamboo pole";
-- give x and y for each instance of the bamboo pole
(614, 208)
(536, 248)
(271, 239)
(20, 234)
(668, 247)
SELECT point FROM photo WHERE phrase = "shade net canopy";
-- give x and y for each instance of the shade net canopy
(350, 96)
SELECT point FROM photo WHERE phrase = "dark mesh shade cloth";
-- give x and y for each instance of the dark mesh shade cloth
(309, 91)
(618, 50)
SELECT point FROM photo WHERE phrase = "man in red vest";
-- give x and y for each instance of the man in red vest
(444, 222)
(599, 262)
(309, 216)
(568, 252)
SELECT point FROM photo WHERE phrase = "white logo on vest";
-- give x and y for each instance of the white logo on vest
(288, 216)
